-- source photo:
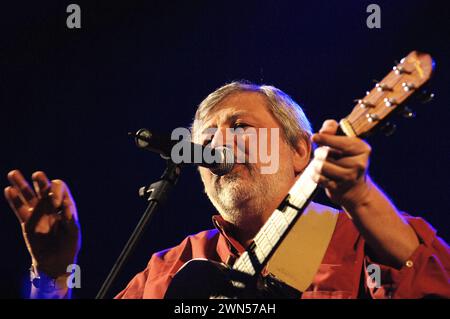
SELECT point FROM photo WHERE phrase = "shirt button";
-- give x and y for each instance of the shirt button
(409, 263)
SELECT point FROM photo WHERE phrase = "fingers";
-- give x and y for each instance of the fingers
(340, 163)
(56, 193)
(41, 184)
(333, 171)
(339, 170)
(17, 204)
(346, 145)
(24, 190)
(23, 201)
(56, 204)
(325, 182)
(324, 153)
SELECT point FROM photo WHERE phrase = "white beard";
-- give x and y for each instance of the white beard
(238, 200)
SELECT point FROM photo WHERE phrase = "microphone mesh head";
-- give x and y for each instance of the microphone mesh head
(142, 137)
(226, 163)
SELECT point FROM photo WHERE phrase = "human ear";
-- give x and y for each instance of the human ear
(301, 155)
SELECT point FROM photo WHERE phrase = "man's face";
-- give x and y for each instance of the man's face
(246, 191)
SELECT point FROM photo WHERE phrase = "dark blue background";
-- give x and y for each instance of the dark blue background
(69, 97)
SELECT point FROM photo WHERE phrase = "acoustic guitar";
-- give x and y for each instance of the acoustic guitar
(201, 278)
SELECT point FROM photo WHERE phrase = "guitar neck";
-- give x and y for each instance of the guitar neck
(270, 236)
(385, 99)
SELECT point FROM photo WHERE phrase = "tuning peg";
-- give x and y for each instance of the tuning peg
(388, 129)
(408, 113)
(389, 102)
(372, 117)
(398, 69)
(383, 87)
(408, 86)
(363, 103)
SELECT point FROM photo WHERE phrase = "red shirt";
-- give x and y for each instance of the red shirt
(342, 273)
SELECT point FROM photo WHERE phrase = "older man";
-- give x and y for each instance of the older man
(414, 262)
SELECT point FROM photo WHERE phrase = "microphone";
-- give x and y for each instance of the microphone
(219, 160)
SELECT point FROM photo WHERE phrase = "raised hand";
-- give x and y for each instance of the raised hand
(49, 221)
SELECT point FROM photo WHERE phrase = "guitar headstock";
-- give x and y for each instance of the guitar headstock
(388, 95)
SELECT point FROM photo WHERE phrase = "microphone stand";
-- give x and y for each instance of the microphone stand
(155, 194)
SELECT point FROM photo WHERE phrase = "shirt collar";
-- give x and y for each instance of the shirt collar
(224, 228)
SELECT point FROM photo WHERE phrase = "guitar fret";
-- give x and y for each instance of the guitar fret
(271, 234)
(284, 222)
(258, 235)
(303, 188)
(247, 264)
(260, 255)
(244, 264)
(279, 226)
(267, 245)
(266, 250)
(280, 223)
(261, 231)
(274, 236)
(290, 214)
(239, 264)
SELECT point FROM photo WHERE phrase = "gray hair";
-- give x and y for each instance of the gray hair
(289, 114)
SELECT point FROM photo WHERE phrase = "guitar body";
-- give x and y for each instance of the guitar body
(199, 279)
(205, 279)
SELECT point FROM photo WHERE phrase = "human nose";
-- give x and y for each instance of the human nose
(222, 137)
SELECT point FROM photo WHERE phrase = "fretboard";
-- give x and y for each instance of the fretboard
(270, 236)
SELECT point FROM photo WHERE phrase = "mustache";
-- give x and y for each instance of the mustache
(232, 176)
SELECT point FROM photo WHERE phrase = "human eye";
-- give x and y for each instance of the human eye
(241, 125)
